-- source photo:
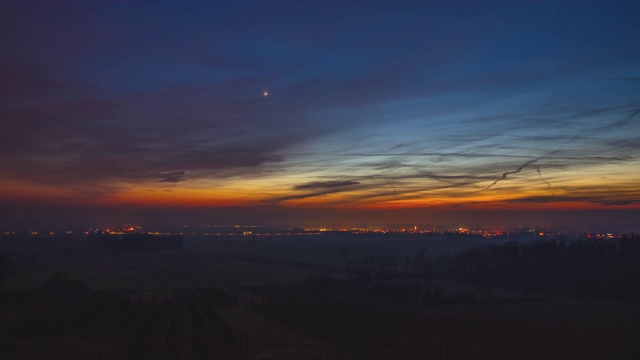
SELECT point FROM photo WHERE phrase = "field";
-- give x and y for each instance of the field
(291, 297)
(226, 261)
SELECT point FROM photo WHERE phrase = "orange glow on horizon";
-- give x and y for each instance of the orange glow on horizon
(251, 193)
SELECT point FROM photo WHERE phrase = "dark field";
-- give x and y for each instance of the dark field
(322, 297)
(227, 261)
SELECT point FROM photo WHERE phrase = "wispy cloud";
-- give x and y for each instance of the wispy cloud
(325, 184)
(172, 177)
(405, 103)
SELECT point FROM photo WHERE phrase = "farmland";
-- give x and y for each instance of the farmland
(314, 297)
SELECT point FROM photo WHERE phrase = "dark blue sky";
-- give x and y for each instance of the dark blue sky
(400, 107)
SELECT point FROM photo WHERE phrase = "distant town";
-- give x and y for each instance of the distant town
(521, 232)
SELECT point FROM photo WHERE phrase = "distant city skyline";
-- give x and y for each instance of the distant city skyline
(320, 113)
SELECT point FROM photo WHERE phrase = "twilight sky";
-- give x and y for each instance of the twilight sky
(320, 112)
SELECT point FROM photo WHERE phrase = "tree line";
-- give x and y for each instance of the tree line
(606, 268)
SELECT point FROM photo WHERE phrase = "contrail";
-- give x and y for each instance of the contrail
(544, 181)
(624, 121)
(395, 193)
(520, 168)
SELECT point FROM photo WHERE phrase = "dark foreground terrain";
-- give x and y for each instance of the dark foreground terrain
(406, 297)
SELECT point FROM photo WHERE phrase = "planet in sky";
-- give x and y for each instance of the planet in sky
(462, 112)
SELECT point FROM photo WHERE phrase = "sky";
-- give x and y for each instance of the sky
(320, 113)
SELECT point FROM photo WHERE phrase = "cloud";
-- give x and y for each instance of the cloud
(397, 100)
(172, 177)
(322, 188)
(625, 144)
(35, 128)
(600, 199)
(622, 122)
(303, 196)
(53, 134)
(325, 184)
(84, 141)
